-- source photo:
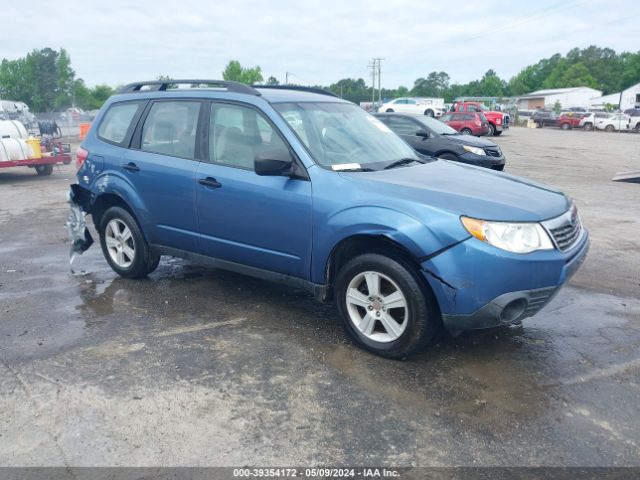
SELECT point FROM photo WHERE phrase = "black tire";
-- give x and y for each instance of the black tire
(565, 126)
(145, 261)
(429, 113)
(492, 130)
(637, 129)
(423, 316)
(44, 170)
(389, 110)
(448, 156)
(588, 126)
(540, 124)
(609, 128)
(497, 133)
(466, 131)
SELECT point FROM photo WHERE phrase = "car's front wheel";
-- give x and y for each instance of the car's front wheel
(384, 306)
(588, 126)
(609, 128)
(389, 110)
(492, 130)
(124, 245)
(466, 131)
(429, 113)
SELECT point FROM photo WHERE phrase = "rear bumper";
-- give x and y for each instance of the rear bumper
(478, 286)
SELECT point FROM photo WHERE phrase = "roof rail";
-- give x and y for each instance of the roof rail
(163, 85)
(318, 90)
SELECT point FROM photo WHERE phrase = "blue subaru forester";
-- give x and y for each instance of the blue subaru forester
(295, 185)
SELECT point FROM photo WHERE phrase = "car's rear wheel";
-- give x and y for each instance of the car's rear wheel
(466, 131)
(588, 126)
(428, 112)
(44, 170)
(492, 130)
(124, 246)
(609, 128)
(389, 110)
(497, 133)
(384, 306)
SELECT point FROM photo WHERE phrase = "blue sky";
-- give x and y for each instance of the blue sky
(318, 41)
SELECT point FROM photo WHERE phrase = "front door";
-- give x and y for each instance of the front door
(259, 221)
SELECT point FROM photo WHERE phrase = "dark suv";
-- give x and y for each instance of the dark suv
(545, 118)
(301, 187)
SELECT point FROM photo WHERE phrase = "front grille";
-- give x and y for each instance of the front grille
(565, 229)
(493, 151)
(506, 119)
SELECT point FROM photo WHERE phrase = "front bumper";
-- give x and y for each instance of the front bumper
(480, 286)
(486, 161)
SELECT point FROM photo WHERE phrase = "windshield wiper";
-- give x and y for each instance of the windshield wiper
(359, 169)
(402, 161)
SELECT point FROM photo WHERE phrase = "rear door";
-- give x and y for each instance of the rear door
(161, 165)
(259, 221)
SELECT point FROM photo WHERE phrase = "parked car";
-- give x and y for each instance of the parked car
(634, 114)
(474, 123)
(545, 118)
(429, 136)
(497, 121)
(587, 122)
(614, 122)
(569, 120)
(298, 186)
(432, 107)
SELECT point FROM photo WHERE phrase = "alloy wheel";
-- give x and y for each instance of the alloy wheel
(377, 307)
(120, 245)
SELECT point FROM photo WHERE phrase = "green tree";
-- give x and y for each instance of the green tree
(235, 72)
(435, 85)
(273, 81)
(557, 107)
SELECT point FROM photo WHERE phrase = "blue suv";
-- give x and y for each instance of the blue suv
(298, 186)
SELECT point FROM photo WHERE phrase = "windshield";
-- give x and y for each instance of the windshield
(344, 134)
(436, 125)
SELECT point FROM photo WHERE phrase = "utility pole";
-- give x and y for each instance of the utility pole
(379, 81)
(286, 78)
(374, 72)
(374, 65)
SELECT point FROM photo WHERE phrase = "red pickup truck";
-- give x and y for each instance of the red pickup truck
(498, 121)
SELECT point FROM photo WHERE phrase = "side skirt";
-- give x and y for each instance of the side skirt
(319, 291)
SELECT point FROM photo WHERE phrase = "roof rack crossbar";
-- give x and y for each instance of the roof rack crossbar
(320, 91)
(163, 85)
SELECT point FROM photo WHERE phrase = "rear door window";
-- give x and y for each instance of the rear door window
(170, 128)
(116, 126)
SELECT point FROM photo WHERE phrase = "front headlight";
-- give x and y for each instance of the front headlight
(512, 237)
(476, 150)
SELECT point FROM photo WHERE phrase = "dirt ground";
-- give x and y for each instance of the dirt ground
(199, 367)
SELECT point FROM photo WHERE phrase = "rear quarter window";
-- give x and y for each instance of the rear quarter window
(116, 124)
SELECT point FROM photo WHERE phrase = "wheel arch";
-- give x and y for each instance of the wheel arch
(359, 244)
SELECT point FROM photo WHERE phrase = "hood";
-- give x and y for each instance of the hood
(465, 190)
(471, 141)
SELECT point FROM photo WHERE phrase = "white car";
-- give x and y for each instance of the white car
(433, 107)
(589, 121)
(614, 122)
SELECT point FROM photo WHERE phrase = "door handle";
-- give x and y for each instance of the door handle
(210, 182)
(132, 167)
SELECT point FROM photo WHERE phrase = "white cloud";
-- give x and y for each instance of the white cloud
(318, 41)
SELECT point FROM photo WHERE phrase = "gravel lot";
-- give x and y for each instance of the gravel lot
(195, 366)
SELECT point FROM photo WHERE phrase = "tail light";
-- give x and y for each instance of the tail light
(81, 156)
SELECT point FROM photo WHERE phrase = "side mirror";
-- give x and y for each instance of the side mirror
(422, 133)
(278, 163)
